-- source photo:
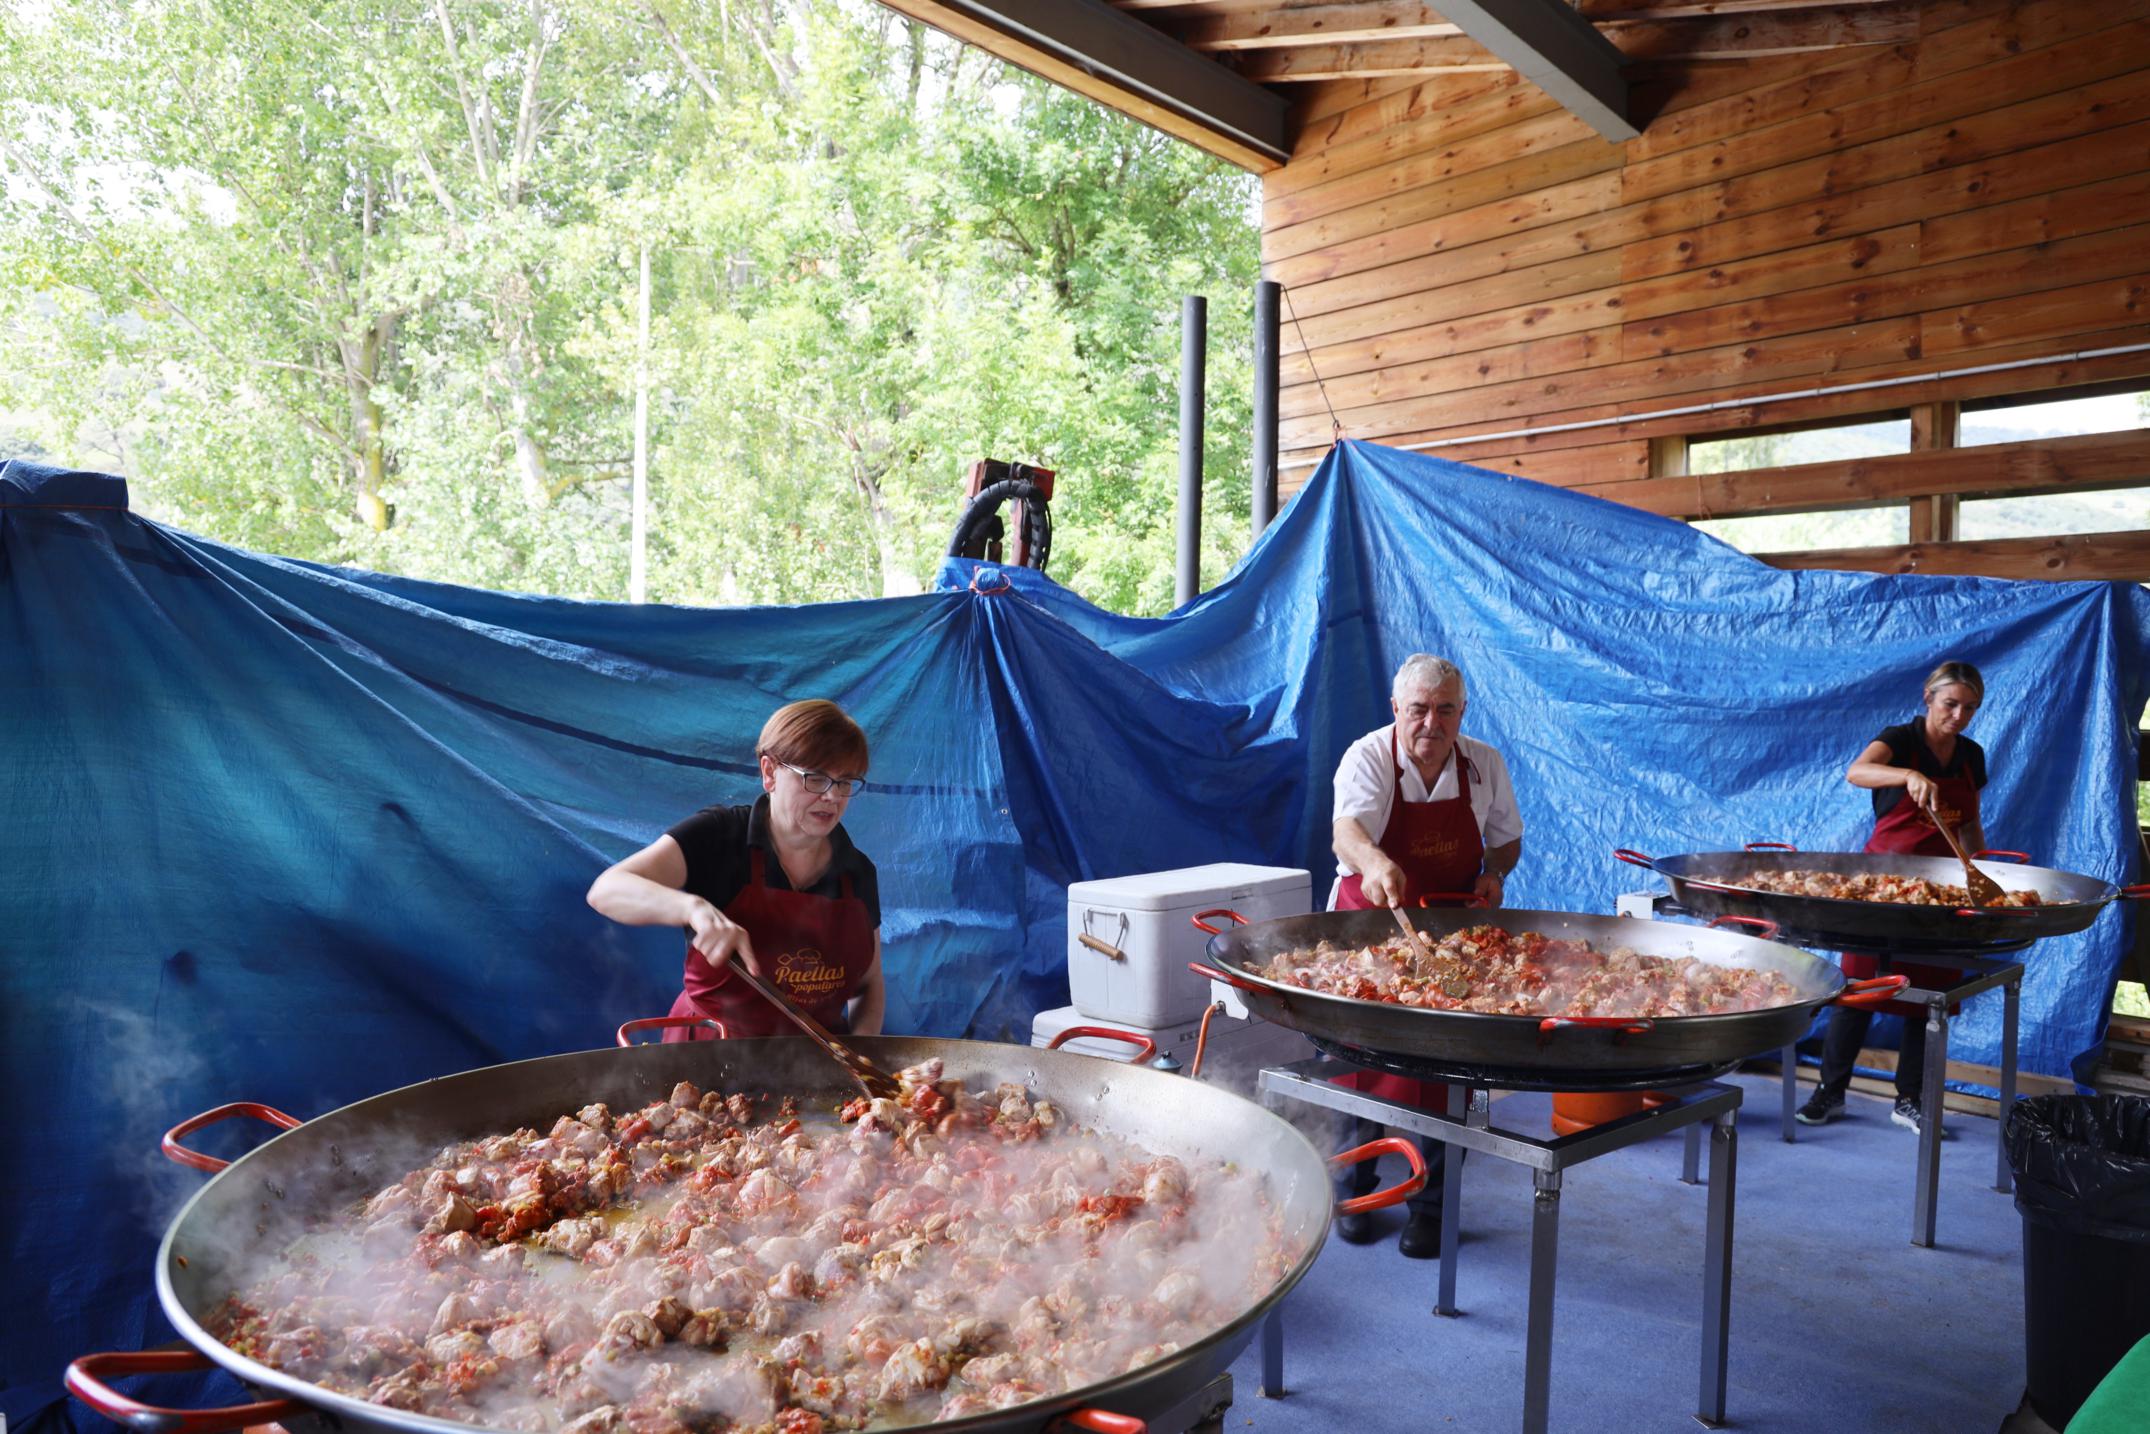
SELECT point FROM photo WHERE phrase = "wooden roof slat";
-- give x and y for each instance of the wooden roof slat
(1448, 55)
(1313, 25)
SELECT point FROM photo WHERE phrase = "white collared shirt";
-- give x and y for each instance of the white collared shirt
(1366, 789)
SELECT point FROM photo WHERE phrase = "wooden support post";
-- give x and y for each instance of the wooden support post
(1934, 425)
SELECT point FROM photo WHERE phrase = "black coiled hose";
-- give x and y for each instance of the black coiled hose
(981, 522)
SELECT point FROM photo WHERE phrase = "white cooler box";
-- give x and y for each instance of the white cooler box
(1147, 917)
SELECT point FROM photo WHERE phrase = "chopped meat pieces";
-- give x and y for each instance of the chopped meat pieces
(714, 1262)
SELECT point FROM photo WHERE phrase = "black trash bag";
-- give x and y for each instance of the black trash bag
(2082, 1163)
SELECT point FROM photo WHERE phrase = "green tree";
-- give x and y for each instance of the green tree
(356, 281)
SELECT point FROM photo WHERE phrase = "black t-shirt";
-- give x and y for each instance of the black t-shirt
(717, 842)
(1907, 748)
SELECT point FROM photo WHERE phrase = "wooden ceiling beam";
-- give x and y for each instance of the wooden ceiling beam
(1312, 25)
(1127, 65)
(1557, 50)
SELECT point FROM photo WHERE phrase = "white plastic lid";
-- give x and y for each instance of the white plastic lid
(1187, 887)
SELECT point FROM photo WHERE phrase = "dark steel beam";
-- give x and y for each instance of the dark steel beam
(1095, 50)
(1557, 50)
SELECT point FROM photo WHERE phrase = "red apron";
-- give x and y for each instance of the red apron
(1439, 848)
(815, 948)
(1906, 829)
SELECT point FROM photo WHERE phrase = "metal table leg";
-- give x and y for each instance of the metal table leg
(1791, 1093)
(1691, 1156)
(1273, 1352)
(2011, 999)
(1538, 1340)
(1933, 1099)
(1717, 1269)
(1470, 1107)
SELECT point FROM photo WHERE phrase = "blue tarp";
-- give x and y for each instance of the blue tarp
(296, 834)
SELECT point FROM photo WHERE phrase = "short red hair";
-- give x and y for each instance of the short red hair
(816, 734)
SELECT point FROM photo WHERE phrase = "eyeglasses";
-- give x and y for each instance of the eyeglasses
(820, 782)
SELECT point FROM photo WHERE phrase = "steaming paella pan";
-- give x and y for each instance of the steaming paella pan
(712, 1197)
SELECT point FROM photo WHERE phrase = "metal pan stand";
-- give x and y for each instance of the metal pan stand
(1468, 1126)
(1983, 970)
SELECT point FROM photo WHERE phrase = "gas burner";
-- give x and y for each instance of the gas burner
(1509, 1078)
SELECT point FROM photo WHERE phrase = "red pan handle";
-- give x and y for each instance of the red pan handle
(86, 1377)
(666, 1023)
(2136, 892)
(1999, 853)
(1099, 1421)
(1770, 846)
(195, 1160)
(1450, 898)
(1227, 977)
(1873, 991)
(1625, 1025)
(1395, 1194)
(1763, 927)
(1633, 857)
(1149, 1047)
(1200, 919)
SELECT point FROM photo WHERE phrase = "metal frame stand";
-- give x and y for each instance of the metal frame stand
(1468, 1125)
(1987, 972)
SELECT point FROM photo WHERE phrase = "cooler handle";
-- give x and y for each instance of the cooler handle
(1200, 919)
(665, 1023)
(1149, 1047)
(195, 1160)
(1395, 1194)
(85, 1379)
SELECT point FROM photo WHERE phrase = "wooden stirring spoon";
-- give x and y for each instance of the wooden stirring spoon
(1985, 891)
(870, 1077)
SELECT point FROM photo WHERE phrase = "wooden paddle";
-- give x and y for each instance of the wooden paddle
(1985, 891)
(870, 1077)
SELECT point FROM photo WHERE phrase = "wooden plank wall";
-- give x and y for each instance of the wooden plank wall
(1463, 258)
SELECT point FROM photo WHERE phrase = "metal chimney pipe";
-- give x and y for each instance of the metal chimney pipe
(1194, 350)
(1267, 296)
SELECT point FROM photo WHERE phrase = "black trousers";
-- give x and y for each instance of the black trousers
(1363, 1178)
(1847, 1034)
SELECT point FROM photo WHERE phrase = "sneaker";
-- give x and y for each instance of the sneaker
(1912, 1117)
(1820, 1109)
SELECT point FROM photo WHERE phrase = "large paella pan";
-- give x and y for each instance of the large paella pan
(1723, 883)
(317, 1172)
(1554, 1050)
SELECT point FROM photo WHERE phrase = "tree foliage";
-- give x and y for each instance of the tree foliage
(356, 280)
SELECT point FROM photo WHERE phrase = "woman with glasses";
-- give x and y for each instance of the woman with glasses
(777, 884)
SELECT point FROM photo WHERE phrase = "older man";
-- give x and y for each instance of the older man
(1421, 810)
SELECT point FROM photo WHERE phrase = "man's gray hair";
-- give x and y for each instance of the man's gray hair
(1423, 672)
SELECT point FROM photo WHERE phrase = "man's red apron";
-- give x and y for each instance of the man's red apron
(815, 948)
(1906, 829)
(1438, 847)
